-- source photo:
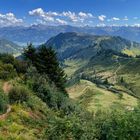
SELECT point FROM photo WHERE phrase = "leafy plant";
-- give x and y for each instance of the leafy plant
(18, 95)
(45, 61)
(3, 102)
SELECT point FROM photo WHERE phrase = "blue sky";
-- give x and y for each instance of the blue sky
(72, 12)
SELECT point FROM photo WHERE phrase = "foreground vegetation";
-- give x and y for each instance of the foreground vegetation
(41, 109)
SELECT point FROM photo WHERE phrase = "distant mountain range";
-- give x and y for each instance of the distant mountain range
(84, 46)
(40, 33)
(7, 46)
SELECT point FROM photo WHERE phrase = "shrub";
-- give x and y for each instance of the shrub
(18, 95)
(7, 71)
(71, 127)
(3, 102)
(119, 125)
(20, 66)
(44, 88)
(120, 95)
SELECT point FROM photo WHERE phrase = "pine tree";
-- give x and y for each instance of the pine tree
(45, 61)
(122, 80)
(30, 53)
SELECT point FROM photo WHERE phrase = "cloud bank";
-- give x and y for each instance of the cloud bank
(9, 19)
(66, 17)
(39, 16)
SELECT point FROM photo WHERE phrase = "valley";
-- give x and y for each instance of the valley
(107, 65)
(69, 70)
(74, 85)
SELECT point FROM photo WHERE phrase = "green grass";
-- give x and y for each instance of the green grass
(72, 66)
(113, 69)
(131, 52)
(94, 98)
(25, 121)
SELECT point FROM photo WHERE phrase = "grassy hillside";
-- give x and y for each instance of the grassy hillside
(109, 63)
(112, 67)
(33, 119)
(95, 98)
(35, 105)
(71, 66)
(84, 46)
(24, 122)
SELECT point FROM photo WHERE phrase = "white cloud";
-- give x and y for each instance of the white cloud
(102, 17)
(71, 15)
(136, 25)
(63, 22)
(101, 25)
(72, 18)
(125, 18)
(46, 16)
(9, 19)
(65, 17)
(77, 17)
(82, 14)
(37, 12)
(85, 15)
(115, 19)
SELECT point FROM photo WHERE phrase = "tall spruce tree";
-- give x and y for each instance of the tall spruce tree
(45, 61)
(30, 53)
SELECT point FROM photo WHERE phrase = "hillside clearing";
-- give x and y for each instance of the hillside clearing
(95, 98)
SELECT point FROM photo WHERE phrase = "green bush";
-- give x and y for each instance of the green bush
(120, 95)
(7, 71)
(119, 125)
(18, 95)
(3, 102)
(44, 88)
(71, 127)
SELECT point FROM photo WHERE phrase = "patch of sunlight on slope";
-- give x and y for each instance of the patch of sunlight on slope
(17, 54)
(131, 52)
(94, 98)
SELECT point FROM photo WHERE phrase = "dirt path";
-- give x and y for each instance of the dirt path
(4, 116)
(114, 78)
(6, 87)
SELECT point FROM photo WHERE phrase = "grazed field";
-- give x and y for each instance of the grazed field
(94, 98)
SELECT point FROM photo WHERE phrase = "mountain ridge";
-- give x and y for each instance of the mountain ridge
(40, 33)
(7, 46)
(72, 44)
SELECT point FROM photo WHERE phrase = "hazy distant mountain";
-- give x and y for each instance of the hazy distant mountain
(7, 46)
(41, 33)
(78, 45)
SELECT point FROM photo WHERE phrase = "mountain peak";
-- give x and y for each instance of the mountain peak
(79, 45)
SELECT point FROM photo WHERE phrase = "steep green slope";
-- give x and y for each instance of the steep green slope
(113, 70)
(24, 122)
(109, 62)
(33, 107)
(84, 46)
